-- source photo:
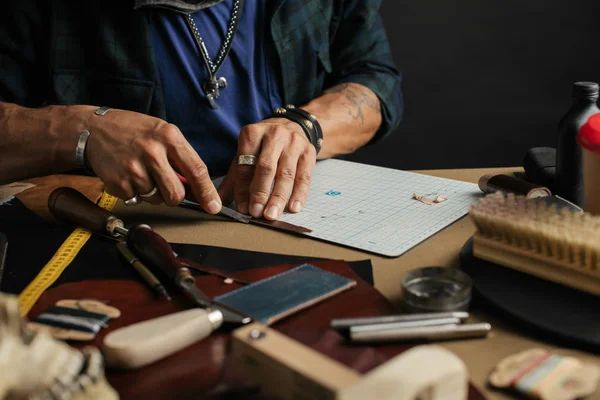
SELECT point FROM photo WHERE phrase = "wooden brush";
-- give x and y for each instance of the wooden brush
(556, 244)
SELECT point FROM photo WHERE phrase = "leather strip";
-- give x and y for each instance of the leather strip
(281, 225)
(313, 119)
(210, 270)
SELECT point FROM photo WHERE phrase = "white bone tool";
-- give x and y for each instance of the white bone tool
(146, 342)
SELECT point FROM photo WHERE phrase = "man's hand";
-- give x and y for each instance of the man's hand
(132, 153)
(285, 161)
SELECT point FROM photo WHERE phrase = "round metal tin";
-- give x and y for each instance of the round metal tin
(435, 289)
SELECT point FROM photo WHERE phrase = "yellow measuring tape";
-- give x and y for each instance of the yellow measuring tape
(61, 260)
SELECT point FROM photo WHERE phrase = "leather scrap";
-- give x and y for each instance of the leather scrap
(428, 201)
(211, 271)
(539, 374)
(7, 192)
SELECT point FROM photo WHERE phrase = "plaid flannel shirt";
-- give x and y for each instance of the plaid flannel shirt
(99, 53)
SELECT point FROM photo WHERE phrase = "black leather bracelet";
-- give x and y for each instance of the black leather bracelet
(311, 118)
(307, 121)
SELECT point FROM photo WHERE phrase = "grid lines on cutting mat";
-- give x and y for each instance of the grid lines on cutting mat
(371, 208)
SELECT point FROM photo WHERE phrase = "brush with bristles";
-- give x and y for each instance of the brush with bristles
(556, 244)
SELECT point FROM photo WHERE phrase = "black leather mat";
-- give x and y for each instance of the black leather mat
(553, 312)
(32, 242)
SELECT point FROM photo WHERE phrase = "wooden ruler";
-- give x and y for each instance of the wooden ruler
(60, 261)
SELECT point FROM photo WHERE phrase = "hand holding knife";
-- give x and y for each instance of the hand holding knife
(190, 202)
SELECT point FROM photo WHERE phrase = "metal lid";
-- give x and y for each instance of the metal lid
(434, 289)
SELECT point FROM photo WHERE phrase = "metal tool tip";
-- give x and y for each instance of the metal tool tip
(163, 292)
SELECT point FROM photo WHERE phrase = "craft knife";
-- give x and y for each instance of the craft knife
(226, 211)
(247, 219)
(190, 202)
(197, 296)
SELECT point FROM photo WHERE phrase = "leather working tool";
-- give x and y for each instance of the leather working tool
(343, 324)
(190, 202)
(144, 272)
(71, 206)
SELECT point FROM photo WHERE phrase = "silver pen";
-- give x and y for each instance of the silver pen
(430, 333)
(347, 323)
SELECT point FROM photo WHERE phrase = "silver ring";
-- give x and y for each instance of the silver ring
(135, 200)
(150, 193)
(245, 159)
(102, 110)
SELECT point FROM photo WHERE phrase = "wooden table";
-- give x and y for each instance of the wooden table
(480, 355)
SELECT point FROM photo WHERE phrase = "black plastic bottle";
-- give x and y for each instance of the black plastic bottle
(569, 176)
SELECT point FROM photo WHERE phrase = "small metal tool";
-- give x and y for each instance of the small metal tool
(226, 211)
(346, 323)
(145, 273)
(187, 283)
(404, 325)
(439, 332)
(190, 202)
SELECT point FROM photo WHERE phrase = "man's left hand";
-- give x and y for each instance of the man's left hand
(285, 159)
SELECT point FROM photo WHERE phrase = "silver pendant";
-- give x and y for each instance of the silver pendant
(211, 88)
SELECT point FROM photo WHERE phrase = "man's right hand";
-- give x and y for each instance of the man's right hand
(132, 153)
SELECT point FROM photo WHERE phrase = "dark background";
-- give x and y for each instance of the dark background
(484, 81)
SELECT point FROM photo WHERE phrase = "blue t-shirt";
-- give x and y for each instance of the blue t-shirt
(252, 90)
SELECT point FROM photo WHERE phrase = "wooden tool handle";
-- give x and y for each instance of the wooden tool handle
(71, 206)
(491, 183)
(154, 250)
(143, 343)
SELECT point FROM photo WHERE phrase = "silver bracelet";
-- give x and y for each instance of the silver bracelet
(80, 151)
(83, 138)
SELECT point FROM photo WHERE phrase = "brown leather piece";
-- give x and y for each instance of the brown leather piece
(36, 198)
(193, 372)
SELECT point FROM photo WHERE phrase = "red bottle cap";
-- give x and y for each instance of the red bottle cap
(589, 134)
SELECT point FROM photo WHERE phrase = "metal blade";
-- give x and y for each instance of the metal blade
(226, 211)
(231, 213)
(237, 216)
(229, 315)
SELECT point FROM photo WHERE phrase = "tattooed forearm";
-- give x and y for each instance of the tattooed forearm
(356, 97)
(349, 115)
(338, 88)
